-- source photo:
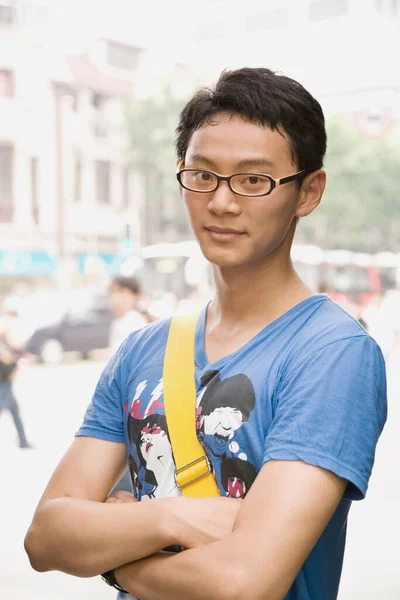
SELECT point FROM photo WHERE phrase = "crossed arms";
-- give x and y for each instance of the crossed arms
(234, 550)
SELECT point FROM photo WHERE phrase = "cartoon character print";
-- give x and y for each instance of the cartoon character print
(223, 407)
(151, 460)
(237, 476)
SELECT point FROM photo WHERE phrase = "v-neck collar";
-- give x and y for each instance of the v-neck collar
(200, 351)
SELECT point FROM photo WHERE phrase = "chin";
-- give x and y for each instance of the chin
(219, 254)
(223, 257)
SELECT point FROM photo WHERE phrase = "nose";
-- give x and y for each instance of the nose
(224, 201)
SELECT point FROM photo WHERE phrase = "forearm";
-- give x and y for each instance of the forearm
(85, 538)
(231, 569)
(204, 573)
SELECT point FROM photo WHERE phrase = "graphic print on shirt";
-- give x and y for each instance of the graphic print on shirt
(223, 407)
(150, 461)
(237, 476)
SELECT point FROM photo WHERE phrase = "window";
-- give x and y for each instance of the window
(77, 191)
(6, 84)
(8, 13)
(100, 118)
(210, 32)
(390, 7)
(103, 177)
(6, 183)
(74, 100)
(272, 19)
(98, 100)
(122, 56)
(319, 10)
(34, 165)
(126, 188)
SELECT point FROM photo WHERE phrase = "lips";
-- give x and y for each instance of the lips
(223, 230)
(223, 234)
(148, 446)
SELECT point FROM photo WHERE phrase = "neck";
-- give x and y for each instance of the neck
(252, 295)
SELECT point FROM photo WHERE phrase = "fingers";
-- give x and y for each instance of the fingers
(124, 496)
(121, 497)
(112, 500)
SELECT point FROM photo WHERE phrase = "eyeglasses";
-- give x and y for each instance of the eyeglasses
(242, 184)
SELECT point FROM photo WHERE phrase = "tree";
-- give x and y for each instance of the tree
(151, 124)
(360, 207)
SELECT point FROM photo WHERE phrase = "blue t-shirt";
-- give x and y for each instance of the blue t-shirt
(310, 386)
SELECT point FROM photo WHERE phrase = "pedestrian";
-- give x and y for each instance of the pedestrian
(10, 352)
(291, 393)
(124, 296)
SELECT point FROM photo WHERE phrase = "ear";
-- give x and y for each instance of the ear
(179, 166)
(310, 193)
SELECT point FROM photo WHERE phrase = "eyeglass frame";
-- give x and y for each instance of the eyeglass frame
(275, 183)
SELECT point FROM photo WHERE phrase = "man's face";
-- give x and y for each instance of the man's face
(223, 422)
(220, 426)
(233, 145)
(121, 300)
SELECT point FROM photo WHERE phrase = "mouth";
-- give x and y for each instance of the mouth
(148, 446)
(223, 234)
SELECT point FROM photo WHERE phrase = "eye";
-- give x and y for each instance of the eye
(251, 184)
(252, 180)
(203, 176)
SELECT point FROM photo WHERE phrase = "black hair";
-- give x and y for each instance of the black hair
(128, 283)
(265, 98)
(236, 392)
(135, 427)
(236, 467)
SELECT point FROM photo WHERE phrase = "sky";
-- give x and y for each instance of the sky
(329, 61)
(143, 23)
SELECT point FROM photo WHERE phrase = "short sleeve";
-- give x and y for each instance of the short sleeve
(330, 411)
(104, 417)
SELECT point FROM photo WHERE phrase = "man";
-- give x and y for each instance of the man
(250, 155)
(124, 296)
(11, 344)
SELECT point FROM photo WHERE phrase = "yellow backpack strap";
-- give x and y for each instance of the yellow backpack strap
(193, 470)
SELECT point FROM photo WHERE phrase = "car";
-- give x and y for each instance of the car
(71, 321)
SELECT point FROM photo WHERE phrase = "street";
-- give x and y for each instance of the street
(53, 400)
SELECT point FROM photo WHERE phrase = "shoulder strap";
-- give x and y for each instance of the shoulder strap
(193, 471)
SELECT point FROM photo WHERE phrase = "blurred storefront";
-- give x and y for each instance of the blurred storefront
(24, 270)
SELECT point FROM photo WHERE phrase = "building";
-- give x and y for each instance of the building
(71, 205)
(343, 51)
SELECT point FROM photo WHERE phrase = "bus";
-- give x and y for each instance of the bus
(180, 268)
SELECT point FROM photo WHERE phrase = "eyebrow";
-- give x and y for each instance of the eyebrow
(242, 164)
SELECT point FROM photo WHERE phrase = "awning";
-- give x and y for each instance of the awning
(106, 263)
(19, 262)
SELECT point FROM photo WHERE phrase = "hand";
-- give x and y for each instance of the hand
(202, 521)
(120, 497)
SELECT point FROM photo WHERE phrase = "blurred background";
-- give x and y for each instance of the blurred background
(89, 100)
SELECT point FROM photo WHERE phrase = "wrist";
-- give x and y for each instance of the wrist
(110, 578)
(176, 527)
